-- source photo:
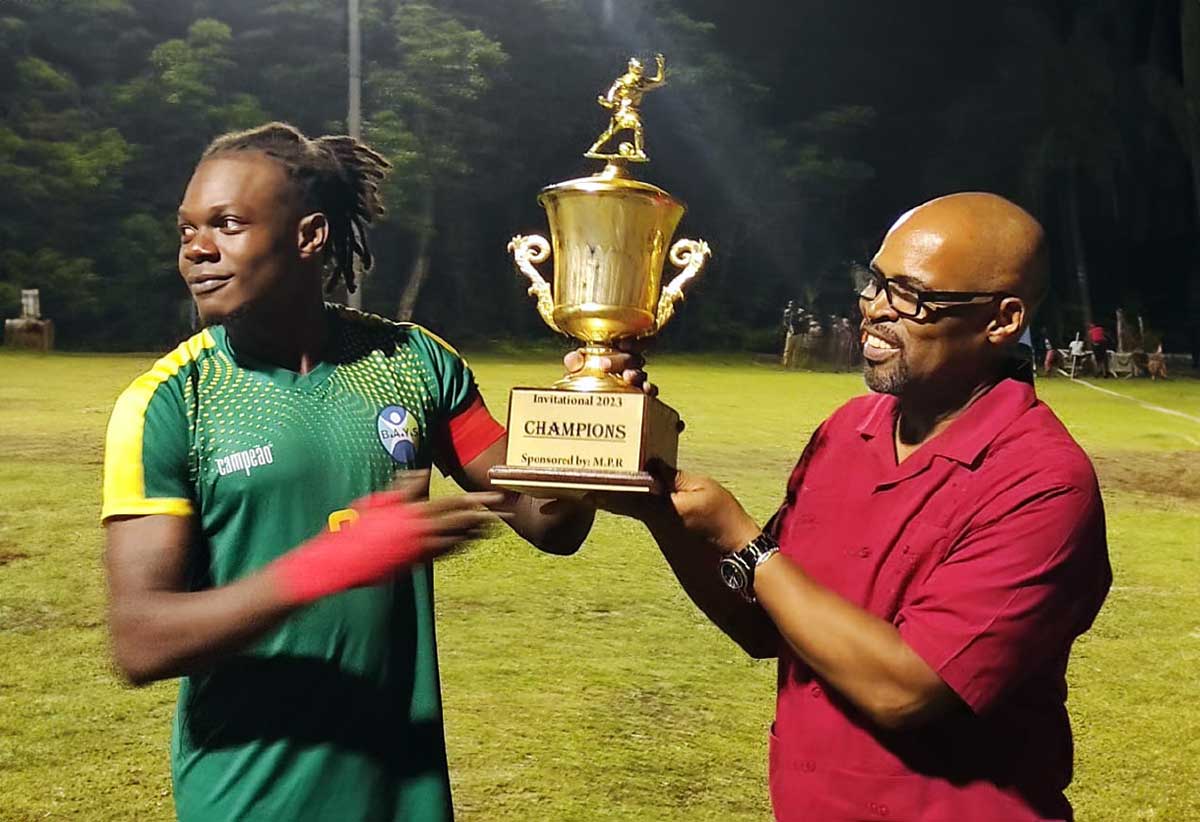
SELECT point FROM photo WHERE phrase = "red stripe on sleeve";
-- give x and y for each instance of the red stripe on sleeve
(472, 431)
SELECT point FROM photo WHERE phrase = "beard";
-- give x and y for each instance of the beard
(233, 319)
(890, 377)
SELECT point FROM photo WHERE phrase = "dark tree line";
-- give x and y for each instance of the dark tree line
(796, 131)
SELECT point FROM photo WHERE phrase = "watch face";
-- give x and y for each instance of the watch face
(733, 574)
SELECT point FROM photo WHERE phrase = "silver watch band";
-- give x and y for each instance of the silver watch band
(762, 548)
(757, 551)
(767, 554)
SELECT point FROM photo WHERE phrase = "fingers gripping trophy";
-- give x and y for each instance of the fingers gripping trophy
(609, 237)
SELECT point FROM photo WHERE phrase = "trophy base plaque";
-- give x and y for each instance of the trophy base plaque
(565, 444)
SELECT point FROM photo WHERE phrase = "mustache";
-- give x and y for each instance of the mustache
(883, 333)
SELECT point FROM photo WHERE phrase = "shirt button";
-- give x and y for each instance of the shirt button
(815, 691)
(864, 552)
(808, 766)
(883, 810)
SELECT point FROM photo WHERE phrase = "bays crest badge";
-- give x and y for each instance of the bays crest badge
(399, 433)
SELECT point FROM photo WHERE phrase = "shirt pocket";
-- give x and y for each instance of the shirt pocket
(920, 547)
(805, 790)
(878, 798)
(816, 511)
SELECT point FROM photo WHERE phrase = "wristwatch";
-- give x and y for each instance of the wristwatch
(737, 569)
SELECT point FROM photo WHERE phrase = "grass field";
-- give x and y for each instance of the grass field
(587, 687)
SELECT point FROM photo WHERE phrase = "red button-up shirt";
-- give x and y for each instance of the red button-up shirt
(986, 549)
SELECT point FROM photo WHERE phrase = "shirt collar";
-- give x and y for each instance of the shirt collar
(967, 437)
(962, 441)
(881, 419)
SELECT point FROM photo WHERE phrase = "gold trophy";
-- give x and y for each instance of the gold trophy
(610, 235)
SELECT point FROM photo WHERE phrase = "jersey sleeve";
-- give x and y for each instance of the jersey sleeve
(1013, 593)
(464, 427)
(146, 452)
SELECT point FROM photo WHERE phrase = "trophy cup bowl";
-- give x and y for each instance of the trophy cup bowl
(610, 237)
(609, 244)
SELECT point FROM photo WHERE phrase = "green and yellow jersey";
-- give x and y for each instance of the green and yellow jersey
(336, 714)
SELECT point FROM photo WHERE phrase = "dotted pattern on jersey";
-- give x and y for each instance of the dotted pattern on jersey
(232, 409)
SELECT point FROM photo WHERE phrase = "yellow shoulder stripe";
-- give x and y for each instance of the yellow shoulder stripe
(124, 473)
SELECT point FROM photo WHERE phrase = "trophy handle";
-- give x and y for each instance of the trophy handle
(527, 250)
(690, 255)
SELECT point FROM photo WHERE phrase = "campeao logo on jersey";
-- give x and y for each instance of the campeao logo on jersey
(399, 433)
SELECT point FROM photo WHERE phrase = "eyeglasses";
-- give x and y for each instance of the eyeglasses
(914, 302)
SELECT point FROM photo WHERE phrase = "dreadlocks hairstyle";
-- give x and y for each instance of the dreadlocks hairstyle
(336, 175)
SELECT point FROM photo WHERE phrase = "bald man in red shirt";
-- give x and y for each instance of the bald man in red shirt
(940, 547)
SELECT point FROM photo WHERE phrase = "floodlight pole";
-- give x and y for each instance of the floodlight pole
(354, 116)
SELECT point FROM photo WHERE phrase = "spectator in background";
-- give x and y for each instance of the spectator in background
(1099, 340)
(1024, 364)
(1156, 364)
(789, 313)
(1050, 358)
(793, 319)
(1077, 350)
(851, 345)
(813, 341)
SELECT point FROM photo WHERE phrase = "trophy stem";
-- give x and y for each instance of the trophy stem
(593, 376)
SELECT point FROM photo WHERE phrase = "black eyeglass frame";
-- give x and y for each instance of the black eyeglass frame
(926, 297)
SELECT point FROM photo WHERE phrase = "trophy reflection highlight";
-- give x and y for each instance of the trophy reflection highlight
(610, 237)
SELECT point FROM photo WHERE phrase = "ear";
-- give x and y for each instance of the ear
(1008, 322)
(312, 235)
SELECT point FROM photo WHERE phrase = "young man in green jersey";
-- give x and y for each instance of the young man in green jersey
(253, 548)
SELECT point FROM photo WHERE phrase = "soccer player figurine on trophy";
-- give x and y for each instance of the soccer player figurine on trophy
(610, 235)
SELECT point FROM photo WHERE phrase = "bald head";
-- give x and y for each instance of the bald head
(971, 241)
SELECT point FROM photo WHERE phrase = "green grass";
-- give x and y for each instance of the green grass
(587, 687)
